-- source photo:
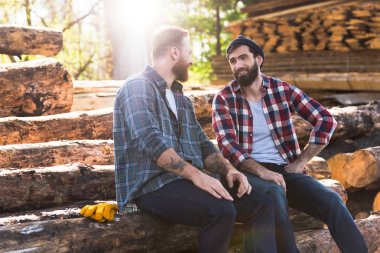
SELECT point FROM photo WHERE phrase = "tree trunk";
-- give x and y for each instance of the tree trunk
(99, 152)
(34, 88)
(19, 40)
(95, 124)
(52, 186)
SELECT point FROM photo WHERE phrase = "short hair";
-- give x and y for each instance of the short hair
(166, 37)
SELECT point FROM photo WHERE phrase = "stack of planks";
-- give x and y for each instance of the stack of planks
(36, 87)
(340, 27)
(53, 165)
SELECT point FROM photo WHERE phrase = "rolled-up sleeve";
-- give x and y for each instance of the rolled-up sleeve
(137, 106)
(318, 116)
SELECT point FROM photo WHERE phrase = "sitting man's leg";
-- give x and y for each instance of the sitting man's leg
(256, 212)
(308, 195)
(284, 233)
(181, 202)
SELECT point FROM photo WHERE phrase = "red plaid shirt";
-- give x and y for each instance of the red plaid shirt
(233, 122)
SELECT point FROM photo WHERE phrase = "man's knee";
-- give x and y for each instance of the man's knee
(278, 195)
(224, 212)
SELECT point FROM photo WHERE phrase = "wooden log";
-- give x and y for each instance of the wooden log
(376, 202)
(95, 124)
(363, 170)
(360, 169)
(360, 202)
(128, 233)
(318, 168)
(34, 88)
(99, 152)
(352, 121)
(337, 166)
(19, 40)
(52, 186)
(143, 233)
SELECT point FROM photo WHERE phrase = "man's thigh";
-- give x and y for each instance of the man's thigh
(307, 194)
(182, 202)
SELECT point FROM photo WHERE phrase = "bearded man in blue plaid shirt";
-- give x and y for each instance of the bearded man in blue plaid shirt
(254, 130)
(161, 153)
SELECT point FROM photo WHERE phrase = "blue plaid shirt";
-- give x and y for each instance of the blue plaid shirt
(144, 127)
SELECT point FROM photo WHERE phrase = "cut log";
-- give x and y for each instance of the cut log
(376, 203)
(364, 168)
(19, 40)
(337, 166)
(33, 88)
(95, 124)
(99, 152)
(52, 186)
(318, 168)
(360, 169)
(360, 202)
(142, 233)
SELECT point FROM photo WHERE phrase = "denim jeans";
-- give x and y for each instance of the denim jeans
(306, 194)
(181, 202)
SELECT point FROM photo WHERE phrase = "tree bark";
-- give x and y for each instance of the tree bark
(95, 124)
(99, 152)
(34, 88)
(19, 40)
(52, 186)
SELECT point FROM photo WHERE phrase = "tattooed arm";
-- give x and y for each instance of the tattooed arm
(218, 164)
(171, 161)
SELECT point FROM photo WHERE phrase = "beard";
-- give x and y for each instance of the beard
(181, 71)
(248, 78)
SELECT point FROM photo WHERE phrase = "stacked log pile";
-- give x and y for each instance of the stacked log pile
(341, 27)
(37, 87)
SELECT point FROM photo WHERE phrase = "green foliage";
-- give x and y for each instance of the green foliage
(86, 50)
(202, 26)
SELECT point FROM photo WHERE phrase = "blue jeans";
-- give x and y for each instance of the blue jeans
(306, 194)
(181, 202)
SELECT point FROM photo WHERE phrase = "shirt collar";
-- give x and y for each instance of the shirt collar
(160, 82)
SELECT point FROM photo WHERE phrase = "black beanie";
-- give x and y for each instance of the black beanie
(242, 40)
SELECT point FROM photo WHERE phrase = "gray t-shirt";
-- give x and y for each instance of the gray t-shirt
(263, 150)
(171, 100)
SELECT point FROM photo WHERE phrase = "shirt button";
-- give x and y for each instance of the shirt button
(250, 135)
(250, 116)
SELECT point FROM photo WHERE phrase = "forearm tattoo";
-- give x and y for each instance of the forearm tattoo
(214, 163)
(175, 165)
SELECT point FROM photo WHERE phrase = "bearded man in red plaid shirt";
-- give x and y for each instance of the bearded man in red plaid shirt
(253, 125)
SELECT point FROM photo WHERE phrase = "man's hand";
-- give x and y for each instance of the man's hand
(275, 177)
(257, 169)
(295, 167)
(244, 186)
(210, 185)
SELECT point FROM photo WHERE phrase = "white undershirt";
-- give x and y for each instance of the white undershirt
(171, 100)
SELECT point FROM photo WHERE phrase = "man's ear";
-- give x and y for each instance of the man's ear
(259, 60)
(174, 53)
